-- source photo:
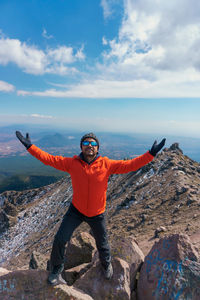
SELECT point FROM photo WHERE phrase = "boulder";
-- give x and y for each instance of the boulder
(32, 284)
(171, 270)
(79, 250)
(94, 283)
(128, 250)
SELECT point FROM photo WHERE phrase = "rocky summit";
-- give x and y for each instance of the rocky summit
(153, 220)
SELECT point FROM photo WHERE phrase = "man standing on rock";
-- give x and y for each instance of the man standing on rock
(89, 174)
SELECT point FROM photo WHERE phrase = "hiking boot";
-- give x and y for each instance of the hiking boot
(54, 277)
(108, 272)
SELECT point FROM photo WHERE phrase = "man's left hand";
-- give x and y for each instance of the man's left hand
(157, 147)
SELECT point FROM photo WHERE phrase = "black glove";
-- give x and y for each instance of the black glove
(24, 140)
(156, 147)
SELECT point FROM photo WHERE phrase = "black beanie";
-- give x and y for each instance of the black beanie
(89, 135)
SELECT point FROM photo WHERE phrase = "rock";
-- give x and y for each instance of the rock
(159, 230)
(128, 250)
(94, 283)
(80, 250)
(10, 209)
(181, 189)
(32, 284)
(175, 147)
(190, 201)
(171, 270)
(38, 261)
(3, 271)
(71, 275)
(6, 221)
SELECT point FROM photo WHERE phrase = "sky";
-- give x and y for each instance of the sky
(107, 65)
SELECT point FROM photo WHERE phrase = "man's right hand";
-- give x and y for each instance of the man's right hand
(24, 140)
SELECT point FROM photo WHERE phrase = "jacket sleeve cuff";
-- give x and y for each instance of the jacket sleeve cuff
(152, 156)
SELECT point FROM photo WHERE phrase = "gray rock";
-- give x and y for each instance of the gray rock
(6, 221)
(175, 147)
(94, 283)
(80, 250)
(128, 250)
(32, 284)
(159, 230)
(171, 270)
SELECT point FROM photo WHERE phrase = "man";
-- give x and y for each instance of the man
(89, 174)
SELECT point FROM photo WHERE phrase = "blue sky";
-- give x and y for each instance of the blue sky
(107, 65)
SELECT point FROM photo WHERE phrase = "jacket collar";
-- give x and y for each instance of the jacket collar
(82, 158)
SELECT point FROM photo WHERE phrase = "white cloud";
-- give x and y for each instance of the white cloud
(28, 119)
(104, 41)
(158, 43)
(160, 33)
(111, 8)
(155, 54)
(63, 54)
(45, 35)
(41, 116)
(6, 87)
(80, 54)
(184, 84)
(36, 61)
(107, 10)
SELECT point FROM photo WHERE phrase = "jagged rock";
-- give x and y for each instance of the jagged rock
(175, 147)
(10, 209)
(159, 230)
(6, 221)
(71, 275)
(94, 283)
(171, 270)
(38, 261)
(80, 250)
(128, 250)
(32, 284)
(3, 271)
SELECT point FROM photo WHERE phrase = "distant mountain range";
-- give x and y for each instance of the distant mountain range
(56, 140)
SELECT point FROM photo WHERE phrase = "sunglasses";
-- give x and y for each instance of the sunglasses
(87, 143)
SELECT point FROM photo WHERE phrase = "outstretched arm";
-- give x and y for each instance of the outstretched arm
(121, 166)
(58, 162)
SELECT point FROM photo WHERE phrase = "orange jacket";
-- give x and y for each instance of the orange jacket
(89, 181)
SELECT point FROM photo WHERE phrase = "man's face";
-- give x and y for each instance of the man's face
(89, 150)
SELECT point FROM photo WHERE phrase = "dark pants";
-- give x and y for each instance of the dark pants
(72, 219)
